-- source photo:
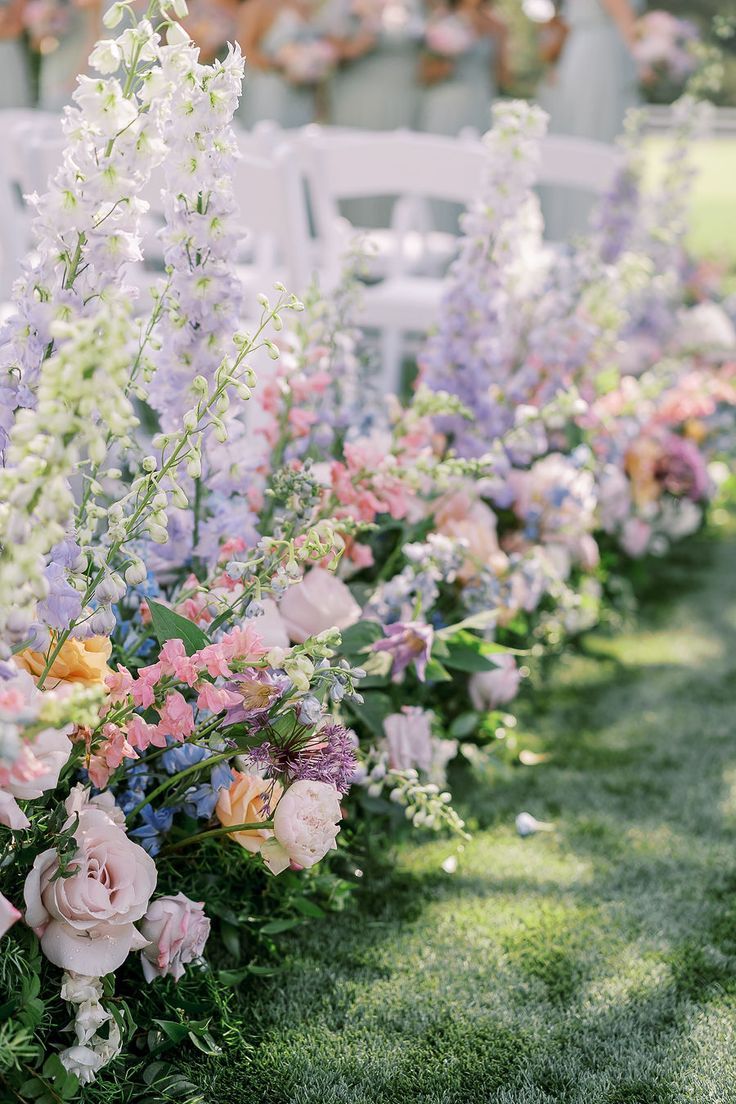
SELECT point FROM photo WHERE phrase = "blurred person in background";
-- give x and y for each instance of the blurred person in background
(211, 25)
(288, 55)
(375, 86)
(595, 82)
(63, 32)
(464, 64)
(378, 44)
(15, 84)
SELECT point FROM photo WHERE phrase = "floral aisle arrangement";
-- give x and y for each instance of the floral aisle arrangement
(287, 607)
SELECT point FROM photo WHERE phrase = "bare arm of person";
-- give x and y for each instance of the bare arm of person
(624, 16)
(497, 28)
(11, 19)
(254, 20)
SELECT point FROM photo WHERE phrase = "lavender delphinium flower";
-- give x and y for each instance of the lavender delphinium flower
(472, 354)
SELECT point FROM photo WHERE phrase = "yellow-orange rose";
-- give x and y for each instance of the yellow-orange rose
(243, 804)
(641, 465)
(80, 661)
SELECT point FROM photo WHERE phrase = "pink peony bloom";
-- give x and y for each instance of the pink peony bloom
(305, 826)
(177, 930)
(86, 921)
(319, 602)
(489, 689)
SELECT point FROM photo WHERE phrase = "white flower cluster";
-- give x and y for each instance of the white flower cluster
(92, 1050)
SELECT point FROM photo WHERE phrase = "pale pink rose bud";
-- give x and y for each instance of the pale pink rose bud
(489, 689)
(319, 602)
(305, 826)
(177, 930)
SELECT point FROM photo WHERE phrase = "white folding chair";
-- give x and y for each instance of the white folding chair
(579, 163)
(31, 150)
(269, 190)
(414, 167)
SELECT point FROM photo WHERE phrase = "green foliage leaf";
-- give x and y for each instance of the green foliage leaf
(359, 637)
(168, 625)
(437, 673)
(464, 725)
(275, 927)
(308, 908)
(375, 708)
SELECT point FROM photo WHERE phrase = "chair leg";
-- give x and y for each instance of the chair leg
(391, 349)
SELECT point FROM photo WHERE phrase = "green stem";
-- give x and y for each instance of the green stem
(204, 764)
(212, 833)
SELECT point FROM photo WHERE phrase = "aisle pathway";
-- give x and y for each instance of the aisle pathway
(595, 965)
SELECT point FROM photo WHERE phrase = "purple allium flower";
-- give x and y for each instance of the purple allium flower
(332, 759)
(407, 642)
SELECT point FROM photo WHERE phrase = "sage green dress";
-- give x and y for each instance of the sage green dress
(15, 82)
(595, 85)
(268, 94)
(378, 91)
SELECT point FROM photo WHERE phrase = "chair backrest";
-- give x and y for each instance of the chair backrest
(579, 163)
(270, 193)
(355, 164)
(32, 144)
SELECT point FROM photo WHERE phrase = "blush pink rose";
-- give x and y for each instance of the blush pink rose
(86, 921)
(8, 914)
(305, 826)
(461, 516)
(635, 537)
(489, 689)
(319, 602)
(177, 930)
(270, 625)
(28, 768)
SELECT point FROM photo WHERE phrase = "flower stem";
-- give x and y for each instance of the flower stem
(212, 833)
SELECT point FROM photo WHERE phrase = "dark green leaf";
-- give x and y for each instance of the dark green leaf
(275, 927)
(168, 625)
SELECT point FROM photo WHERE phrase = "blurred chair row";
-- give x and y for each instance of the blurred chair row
(290, 186)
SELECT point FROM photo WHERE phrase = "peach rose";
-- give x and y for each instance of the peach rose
(86, 921)
(242, 803)
(461, 516)
(82, 661)
(319, 602)
(305, 826)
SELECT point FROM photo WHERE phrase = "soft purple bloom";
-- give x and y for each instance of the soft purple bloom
(62, 604)
(407, 642)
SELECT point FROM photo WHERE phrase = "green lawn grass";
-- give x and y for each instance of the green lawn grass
(713, 231)
(593, 965)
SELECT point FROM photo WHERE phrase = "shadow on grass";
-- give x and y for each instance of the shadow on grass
(571, 967)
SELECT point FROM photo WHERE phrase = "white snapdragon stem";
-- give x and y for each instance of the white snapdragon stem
(92, 1050)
